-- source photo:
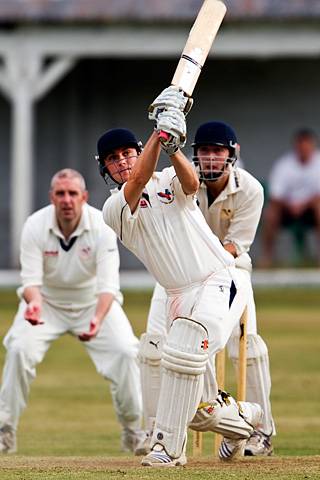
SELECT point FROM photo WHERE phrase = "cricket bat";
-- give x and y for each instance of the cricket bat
(197, 47)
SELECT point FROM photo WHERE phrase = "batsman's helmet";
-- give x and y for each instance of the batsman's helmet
(216, 133)
(111, 140)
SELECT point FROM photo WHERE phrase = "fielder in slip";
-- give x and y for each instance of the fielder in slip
(155, 216)
(231, 201)
(70, 283)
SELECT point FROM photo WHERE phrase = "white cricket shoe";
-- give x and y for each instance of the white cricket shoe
(8, 440)
(158, 457)
(130, 439)
(258, 444)
(230, 449)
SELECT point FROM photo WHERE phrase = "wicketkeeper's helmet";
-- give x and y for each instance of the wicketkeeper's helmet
(216, 133)
(111, 140)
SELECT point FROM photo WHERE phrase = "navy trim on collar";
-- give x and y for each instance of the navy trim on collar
(67, 246)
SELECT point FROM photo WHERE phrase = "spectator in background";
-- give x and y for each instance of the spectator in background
(294, 192)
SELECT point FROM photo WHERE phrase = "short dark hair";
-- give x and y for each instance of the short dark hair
(304, 133)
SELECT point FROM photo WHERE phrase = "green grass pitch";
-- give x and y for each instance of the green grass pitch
(69, 429)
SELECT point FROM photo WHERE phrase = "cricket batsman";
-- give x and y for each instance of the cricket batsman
(155, 215)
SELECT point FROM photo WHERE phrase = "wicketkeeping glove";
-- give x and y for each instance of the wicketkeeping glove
(172, 122)
(170, 97)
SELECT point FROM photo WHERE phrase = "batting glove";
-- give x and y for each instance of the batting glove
(170, 97)
(172, 122)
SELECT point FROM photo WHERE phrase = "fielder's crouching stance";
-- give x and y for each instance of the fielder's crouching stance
(70, 284)
(156, 217)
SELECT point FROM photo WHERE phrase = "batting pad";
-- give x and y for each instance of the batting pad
(258, 375)
(151, 346)
(183, 366)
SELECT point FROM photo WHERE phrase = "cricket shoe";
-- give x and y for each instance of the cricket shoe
(230, 449)
(130, 439)
(158, 457)
(143, 447)
(258, 444)
(8, 440)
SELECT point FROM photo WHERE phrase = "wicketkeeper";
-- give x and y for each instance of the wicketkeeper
(231, 201)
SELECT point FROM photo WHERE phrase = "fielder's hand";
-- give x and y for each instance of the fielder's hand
(32, 313)
(170, 97)
(172, 122)
(93, 332)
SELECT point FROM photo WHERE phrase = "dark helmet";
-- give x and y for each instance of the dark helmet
(111, 140)
(216, 133)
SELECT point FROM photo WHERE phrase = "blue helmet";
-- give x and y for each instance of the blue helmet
(216, 133)
(111, 140)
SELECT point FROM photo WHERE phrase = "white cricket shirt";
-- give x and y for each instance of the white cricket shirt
(70, 275)
(293, 181)
(167, 232)
(234, 215)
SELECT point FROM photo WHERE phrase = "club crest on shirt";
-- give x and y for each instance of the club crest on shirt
(166, 196)
(226, 213)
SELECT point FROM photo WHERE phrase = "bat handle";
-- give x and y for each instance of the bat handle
(163, 136)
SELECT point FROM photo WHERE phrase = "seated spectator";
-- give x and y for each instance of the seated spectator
(294, 193)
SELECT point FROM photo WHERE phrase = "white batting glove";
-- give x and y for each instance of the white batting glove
(173, 123)
(170, 97)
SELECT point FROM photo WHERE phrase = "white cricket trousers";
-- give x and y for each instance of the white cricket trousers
(157, 317)
(113, 352)
(259, 381)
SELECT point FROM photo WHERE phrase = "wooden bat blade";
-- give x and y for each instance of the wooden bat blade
(200, 39)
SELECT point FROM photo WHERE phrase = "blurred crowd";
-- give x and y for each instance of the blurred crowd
(292, 200)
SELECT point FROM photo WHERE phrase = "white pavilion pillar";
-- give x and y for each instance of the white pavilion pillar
(21, 185)
(23, 81)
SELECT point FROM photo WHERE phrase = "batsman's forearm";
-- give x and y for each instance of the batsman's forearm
(185, 172)
(147, 161)
(142, 171)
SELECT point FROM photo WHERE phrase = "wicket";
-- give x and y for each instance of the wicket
(220, 373)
